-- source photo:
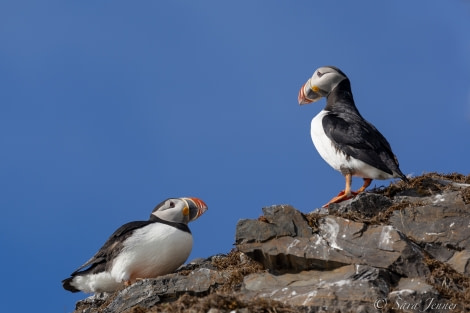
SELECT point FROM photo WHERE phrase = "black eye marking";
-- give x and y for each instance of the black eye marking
(320, 74)
(172, 204)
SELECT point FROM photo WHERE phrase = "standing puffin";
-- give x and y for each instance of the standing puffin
(344, 139)
(141, 249)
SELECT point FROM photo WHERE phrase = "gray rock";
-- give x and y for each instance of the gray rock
(338, 242)
(441, 226)
(416, 295)
(148, 292)
(281, 220)
(367, 204)
(145, 297)
(350, 286)
(92, 303)
(460, 261)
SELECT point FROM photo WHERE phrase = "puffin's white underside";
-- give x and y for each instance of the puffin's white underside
(151, 251)
(338, 159)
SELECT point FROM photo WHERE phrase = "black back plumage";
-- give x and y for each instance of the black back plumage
(101, 261)
(353, 135)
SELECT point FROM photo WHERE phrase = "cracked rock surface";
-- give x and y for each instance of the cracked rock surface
(404, 248)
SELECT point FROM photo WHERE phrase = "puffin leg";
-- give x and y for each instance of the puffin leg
(344, 194)
(367, 182)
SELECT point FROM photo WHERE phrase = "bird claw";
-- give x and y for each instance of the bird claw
(127, 283)
(342, 196)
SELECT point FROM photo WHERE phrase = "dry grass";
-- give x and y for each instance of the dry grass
(449, 283)
(466, 195)
(424, 185)
(381, 218)
(238, 265)
(313, 220)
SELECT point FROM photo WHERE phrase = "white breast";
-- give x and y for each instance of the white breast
(337, 159)
(151, 251)
(324, 145)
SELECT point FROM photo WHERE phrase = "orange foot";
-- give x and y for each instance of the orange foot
(129, 282)
(342, 196)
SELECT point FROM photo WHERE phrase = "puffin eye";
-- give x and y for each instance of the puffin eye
(319, 74)
(172, 204)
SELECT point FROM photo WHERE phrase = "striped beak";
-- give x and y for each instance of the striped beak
(309, 95)
(197, 207)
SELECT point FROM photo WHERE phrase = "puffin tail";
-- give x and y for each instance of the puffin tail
(403, 177)
(67, 284)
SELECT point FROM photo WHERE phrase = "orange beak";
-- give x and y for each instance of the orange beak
(302, 98)
(197, 207)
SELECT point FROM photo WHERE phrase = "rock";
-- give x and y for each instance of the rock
(128, 298)
(366, 204)
(416, 295)
(92, 303)
(441, 226)
(148, 292)
(338, 242)
(443, 219)
(281, 220)
(460, 261)
(348, 287)
(405, 248)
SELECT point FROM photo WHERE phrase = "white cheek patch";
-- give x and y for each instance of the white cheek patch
(327, 82)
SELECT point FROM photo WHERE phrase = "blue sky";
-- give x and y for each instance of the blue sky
(108, 108)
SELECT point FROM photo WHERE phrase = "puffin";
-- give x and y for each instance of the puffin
(342, 137)
(140, 249)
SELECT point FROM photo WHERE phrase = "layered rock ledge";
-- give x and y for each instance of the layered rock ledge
(404, 248)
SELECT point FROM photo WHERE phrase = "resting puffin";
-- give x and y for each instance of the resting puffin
(141, 249)
(344, 139)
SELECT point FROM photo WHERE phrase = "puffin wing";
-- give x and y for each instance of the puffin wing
(359, 139)
(112, 246)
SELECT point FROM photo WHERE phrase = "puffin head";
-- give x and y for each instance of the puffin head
(322, 82)
(180, 210)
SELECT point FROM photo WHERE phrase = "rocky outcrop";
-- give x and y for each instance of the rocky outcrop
(336, 242)
(400, 248)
